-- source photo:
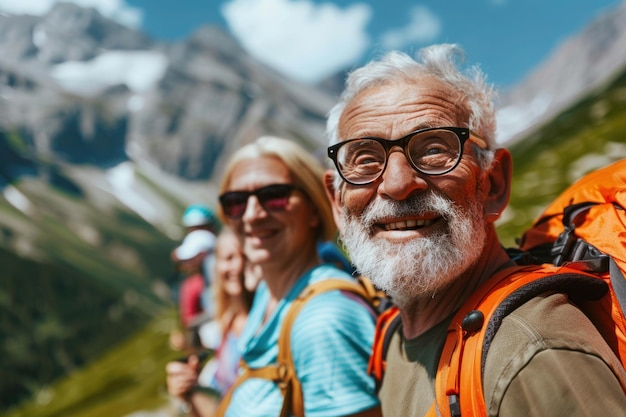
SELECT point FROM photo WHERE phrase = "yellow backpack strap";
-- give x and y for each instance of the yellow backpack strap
(292, 389)
(377, 298)
(284, 373)
(270, 372)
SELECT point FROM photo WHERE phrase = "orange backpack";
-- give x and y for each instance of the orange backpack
(587, 223)
(583, 233)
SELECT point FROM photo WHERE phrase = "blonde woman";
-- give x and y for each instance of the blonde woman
(273, 197)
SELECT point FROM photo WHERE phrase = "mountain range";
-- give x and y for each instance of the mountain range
(84, 89)
(107, 135)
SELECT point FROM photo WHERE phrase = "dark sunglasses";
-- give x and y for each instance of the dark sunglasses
(274, 197)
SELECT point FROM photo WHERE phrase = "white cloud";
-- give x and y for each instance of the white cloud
(116, 10)
(304, 40)
(138, 70)
(424, 27)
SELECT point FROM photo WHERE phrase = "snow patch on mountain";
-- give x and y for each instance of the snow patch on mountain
(122, 180)
(17, 199)
(514, 119)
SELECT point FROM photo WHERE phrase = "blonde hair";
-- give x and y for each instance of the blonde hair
(305, 170)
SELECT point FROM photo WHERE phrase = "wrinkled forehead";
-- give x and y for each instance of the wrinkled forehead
(383, 109)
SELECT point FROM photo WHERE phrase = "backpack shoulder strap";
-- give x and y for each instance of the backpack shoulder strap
(292, 389)
(459, 389)
(387, 324)
(283, 373)
(273, 373)
(374, 296)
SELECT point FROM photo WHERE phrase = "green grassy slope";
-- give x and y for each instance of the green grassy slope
(54, 321)
(130, 377)
(77, 277)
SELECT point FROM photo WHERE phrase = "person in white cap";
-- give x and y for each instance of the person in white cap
(191, 260)
(201, 217)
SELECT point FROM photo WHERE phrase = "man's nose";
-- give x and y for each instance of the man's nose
(400, 179)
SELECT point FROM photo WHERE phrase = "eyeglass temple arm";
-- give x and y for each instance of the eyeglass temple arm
(478, 140)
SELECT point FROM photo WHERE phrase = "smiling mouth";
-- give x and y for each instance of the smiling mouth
(407, 225)
(262, 234)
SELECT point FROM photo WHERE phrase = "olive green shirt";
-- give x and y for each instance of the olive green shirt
(547, 359)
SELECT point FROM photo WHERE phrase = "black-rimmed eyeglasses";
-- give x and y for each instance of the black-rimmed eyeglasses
(273, 197)
(431, 151)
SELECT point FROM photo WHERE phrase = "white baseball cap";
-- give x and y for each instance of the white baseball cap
(194, 243)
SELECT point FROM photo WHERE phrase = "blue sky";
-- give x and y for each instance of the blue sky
(311, 39)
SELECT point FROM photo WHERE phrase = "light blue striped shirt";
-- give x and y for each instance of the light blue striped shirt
(331, 342)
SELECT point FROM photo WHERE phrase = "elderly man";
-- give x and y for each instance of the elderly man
(420, 184)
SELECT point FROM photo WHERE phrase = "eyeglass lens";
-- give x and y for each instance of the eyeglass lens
(431, 152)
(273, 197)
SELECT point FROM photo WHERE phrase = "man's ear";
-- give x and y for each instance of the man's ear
(334, 196)
(499, 182)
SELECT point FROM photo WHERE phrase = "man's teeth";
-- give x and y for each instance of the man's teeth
(409, 224)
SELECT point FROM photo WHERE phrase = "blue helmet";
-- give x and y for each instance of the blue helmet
(199, 215)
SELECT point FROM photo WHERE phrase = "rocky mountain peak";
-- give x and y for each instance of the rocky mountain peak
(72, 33)
(580, 64)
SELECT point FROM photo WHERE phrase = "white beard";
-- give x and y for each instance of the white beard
(421, 267)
